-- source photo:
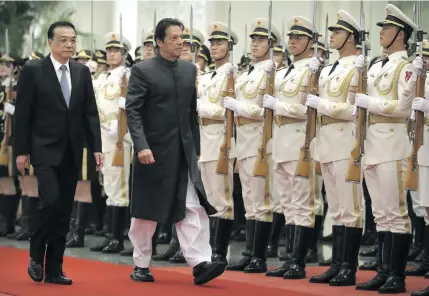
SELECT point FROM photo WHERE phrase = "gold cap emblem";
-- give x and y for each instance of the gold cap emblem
(296, 20)
(114, 37)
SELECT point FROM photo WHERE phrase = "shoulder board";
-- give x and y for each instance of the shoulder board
(280, 68)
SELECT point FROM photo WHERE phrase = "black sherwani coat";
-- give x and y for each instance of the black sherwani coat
(162, 117)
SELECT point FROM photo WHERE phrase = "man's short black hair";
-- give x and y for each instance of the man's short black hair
(163, 25)
(59, 24)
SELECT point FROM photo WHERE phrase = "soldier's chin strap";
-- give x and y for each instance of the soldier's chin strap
(344, 43)
(394, 38)
(305, 49)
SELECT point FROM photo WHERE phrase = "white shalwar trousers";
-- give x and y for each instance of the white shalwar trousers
(193, 233)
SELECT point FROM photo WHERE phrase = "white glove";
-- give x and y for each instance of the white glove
(417, 65)
(360, 63)
(198, 104)
(314, 64)
(269, 66)
(9, 108)
(113, 129)
(231, 104)
(312, 101)
(121, 103)
(420, 104)
(270, 102)
(362, 101)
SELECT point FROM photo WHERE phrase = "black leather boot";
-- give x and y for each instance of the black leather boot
(258, 264)
(419, 230)
(250, 234)
(24, 219)
(300, 247)
(78, 237)
(177, 257)
(370, 252)
(107, 219)
(221, 240)
(423, 266)
(384, 239)
(212, 227)
(312, 256)
(370, 234)
(173, 247)
(276, 230)
(290, 235)
(338, 233)
(395, 282)
(109, 228)
(347, 274)
(370, 265)
(116, 245)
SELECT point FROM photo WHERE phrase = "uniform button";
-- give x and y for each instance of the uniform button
(341, 129)
(297, 130)
(391, 129)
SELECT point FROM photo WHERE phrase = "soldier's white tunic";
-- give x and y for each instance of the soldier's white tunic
(335, 140)
(387, 144)
(212, 89)
(298, 197)
(249, 90)
(423, 161)
(115, 179)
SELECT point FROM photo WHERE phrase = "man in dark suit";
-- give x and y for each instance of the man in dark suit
(55, 113)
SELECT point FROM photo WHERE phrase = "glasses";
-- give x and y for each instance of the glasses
(65, 41)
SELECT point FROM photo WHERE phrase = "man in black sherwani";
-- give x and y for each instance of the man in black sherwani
(163, 123)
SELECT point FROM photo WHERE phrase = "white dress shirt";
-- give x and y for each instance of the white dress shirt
(57, 66)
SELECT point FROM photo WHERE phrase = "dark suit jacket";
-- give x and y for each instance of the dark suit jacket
(44, 125)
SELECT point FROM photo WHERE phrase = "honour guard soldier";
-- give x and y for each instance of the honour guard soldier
(204, 58)
(248, 112)
(281, 59)
(29, 188)
(212, 66)
(422, 104)
(197, 39)
(387, 147)
(9, 198)
(147, 51)
(334, 141)
(296, 194)
(102, 63)
(212, 89)
(83, 56)
(115, 178)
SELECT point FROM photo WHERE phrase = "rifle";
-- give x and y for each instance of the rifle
(223, 160)
(411, 177)
(118, 157)
(303, 166)
(354, 169)
(262, 166)
(4, 152)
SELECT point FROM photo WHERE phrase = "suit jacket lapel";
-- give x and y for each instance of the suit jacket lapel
(74, 79)
(52, 76)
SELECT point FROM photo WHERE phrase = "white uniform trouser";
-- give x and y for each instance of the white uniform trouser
(115, 179)
(415, 199)
(257, 199)
(388, 198)
(29, 186)
(193, 233)
(423, 190)
(344, 198)
(297, 195)
(219, 188)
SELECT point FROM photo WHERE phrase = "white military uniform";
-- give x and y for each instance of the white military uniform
(249, 90)
(387, 143)
(335, 140)
(297, 195)
(212, 89)
(107, 91)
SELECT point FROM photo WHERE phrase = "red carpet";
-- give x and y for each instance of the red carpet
(93, 278)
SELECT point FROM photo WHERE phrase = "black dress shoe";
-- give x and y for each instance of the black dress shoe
(142, 275)
(114, 247)
(163, 238)
(369, 265)
(35, 271)
(370, 252)
(279, 271)
(76, 241)
(60, 279)
(393, 285)
(207, 271)
(424, 292)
